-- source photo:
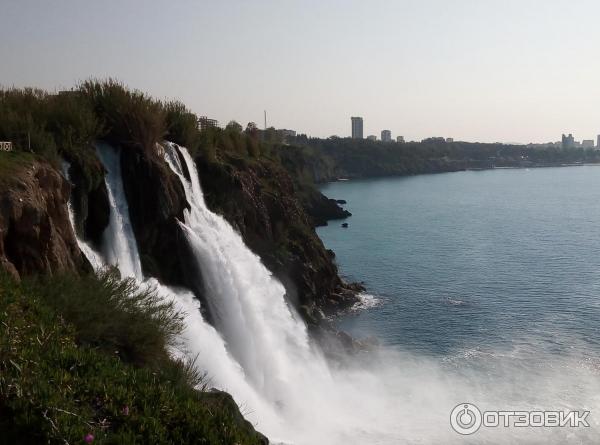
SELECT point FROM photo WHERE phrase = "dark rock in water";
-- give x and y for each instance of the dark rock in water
(345, 225)
(322, 209)
(36, 236)
(341, 201)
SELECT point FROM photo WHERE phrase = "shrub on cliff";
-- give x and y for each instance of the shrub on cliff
(129, 116)
(113, 314)
(56, 387)
(182, 126)
(23, 120)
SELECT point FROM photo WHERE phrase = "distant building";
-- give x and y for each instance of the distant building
(587, 143)
(285, 134)
(372, 137)
(386, 136)
(434, 139)
(598, 143)
(6, 146)
(205, 123)
(568, 141)
(357, 127)
(400, 139)
(449, 140)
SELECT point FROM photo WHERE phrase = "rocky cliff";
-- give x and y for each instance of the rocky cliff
(35, 232)
(259, 198)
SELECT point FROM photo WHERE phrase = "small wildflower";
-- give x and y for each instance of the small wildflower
(89, 438)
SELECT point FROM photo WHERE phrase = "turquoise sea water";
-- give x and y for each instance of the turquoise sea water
(470, 262)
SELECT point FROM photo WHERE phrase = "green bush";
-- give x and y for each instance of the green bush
(182, 126)
(130, 117)
(114, 314)
(58, 384)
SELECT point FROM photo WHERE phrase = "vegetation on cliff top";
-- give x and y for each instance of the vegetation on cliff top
(87, 358)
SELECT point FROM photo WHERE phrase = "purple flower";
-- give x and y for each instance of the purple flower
(89, 438)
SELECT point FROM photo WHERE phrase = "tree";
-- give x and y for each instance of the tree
(233, 126)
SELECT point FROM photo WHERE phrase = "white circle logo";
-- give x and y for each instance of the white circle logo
(465, 418)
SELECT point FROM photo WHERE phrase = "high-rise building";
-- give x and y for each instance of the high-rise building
(587, 143)
(598, 143)
(372, 137)
(400, 139)
(568, 141)
(357, 127)
(386, 136)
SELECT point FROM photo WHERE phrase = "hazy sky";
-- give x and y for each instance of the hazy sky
(503, 70)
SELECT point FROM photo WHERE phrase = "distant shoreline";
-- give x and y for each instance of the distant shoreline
(474, 169)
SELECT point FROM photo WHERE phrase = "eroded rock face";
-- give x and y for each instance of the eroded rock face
(36, 236)
(89, 197)
(156, 200)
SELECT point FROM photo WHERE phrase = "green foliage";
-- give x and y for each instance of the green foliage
(114, 314)
(56, 388)
(23, 120)
(182, 126)
(12, 163)
(129, 116)
(234, 127)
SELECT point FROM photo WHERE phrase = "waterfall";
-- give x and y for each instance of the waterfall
(199, 338)
(261, 330)
(119, 245)
(242, 294)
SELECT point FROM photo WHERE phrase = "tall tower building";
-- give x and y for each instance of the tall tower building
(386, 136)
(598, 143)
(357, 127)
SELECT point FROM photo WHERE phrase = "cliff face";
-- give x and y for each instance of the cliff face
(259, 198)
(156, 201)
(89, 196)
(35, 232)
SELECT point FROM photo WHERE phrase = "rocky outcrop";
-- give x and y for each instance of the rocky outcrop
(36, 236)
(259, 198)
(89, 196)
(322, 209)
(156, 201)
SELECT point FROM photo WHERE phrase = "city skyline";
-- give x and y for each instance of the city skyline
(478, 71)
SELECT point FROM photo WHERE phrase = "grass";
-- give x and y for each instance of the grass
(12, 163)
(61, 380)
(114, 315)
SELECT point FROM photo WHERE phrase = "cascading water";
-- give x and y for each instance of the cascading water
(261, 331)
(262, 355)
(119, 245)
(199, 339)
